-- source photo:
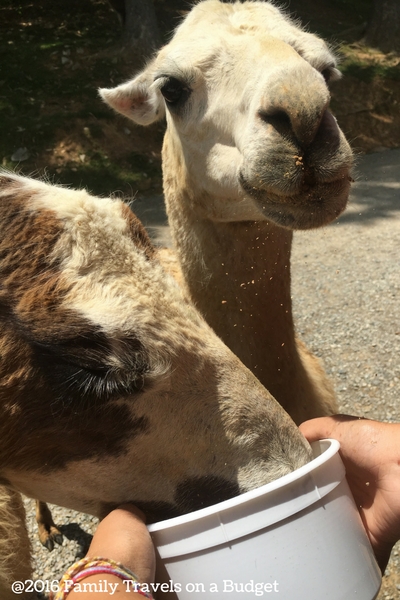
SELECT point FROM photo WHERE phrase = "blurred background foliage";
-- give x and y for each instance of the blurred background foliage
(54, 56)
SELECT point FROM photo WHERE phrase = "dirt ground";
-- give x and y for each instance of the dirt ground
(368, 112)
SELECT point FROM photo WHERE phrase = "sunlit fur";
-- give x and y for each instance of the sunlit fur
(112, 386)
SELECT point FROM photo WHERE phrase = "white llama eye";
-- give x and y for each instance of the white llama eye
(326, 74)
(330, 74)
(175, 92)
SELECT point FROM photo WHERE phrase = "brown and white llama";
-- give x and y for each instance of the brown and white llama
(250, 153)
(113, 388)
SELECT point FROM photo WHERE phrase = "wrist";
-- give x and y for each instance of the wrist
(99, 577)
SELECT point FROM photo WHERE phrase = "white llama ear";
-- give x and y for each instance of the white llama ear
(137, 99)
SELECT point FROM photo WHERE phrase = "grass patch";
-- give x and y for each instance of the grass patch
(367, 63)
(53, 57)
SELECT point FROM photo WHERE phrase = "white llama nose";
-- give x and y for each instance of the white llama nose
(296, 103)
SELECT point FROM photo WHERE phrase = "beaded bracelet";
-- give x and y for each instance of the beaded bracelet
(92, 566)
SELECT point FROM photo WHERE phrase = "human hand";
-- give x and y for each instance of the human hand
(370, 451)
(123, 537)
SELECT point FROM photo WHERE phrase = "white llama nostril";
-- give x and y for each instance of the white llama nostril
(328, 132)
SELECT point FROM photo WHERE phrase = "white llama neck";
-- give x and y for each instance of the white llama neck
(238, 275)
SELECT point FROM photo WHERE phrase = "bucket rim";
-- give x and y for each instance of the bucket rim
(327, 449)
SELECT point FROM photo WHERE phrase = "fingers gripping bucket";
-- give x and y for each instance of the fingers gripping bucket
(297, 538)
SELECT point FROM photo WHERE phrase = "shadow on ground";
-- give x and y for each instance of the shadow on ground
(73, 531)
(376, 191)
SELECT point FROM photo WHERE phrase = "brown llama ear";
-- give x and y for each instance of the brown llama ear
(138, 99)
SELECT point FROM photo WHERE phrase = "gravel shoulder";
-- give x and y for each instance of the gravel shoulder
(345, 293)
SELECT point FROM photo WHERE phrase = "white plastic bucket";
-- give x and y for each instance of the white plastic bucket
(297, 538)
